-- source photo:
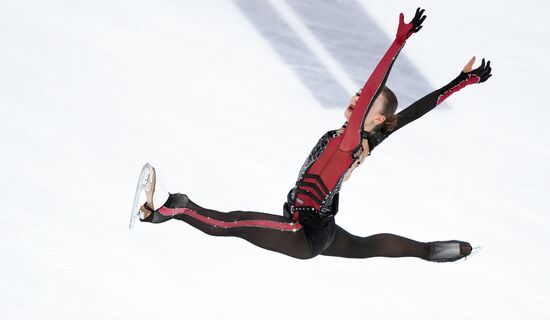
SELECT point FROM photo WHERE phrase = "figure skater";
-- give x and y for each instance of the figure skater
(307, 227)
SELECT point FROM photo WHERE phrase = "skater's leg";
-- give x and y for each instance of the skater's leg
(348, 245)
(271, 232)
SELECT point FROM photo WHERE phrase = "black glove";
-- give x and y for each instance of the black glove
(478, 75)
(405, 30)
(483, 71)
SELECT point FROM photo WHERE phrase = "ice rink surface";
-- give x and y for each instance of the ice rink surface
(226, 99)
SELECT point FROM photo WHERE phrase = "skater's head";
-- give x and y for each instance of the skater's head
(382, 113)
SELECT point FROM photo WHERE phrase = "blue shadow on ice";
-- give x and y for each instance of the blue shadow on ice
(348, 34)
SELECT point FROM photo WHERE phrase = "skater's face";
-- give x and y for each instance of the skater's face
(374, 116)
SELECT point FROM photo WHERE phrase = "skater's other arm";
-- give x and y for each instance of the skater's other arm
(372, 87)
(466, 77)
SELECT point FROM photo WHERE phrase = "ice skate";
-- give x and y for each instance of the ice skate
(449, 251)
(146, 182)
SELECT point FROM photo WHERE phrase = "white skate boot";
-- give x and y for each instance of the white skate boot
(146, 182)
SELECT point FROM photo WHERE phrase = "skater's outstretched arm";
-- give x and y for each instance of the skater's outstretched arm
(466, 77)
(371, 89)
(430, 101)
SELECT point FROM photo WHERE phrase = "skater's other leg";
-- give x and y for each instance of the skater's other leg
(390, 245)
(268, 231)
(348, 245)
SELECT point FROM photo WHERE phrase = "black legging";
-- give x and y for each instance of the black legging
(283, 235)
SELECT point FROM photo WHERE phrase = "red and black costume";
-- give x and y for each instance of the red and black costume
(307, 227)
(322, 174)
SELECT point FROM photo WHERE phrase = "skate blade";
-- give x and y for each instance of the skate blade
(475, 251)
(144, 184)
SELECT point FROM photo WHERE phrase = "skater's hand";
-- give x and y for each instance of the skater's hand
(405, 30)
(467, 76)
(483, 71)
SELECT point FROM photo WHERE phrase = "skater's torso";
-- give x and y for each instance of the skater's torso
(323, 173)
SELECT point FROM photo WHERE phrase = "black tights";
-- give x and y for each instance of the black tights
(281, 234)
(348, 245)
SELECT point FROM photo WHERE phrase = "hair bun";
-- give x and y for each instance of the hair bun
(390, 123)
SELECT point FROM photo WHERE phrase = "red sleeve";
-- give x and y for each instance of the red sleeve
(352, 135)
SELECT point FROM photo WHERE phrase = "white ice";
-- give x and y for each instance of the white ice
(91, 90)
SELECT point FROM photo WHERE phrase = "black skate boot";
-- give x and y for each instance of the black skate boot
(448, 251)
